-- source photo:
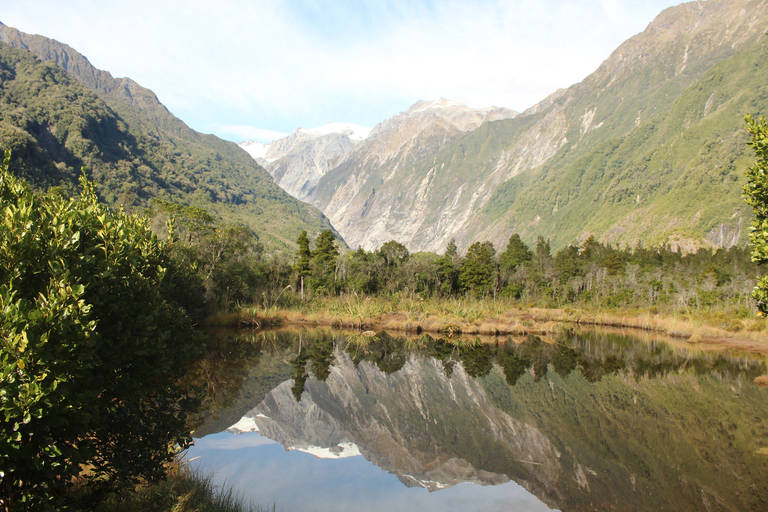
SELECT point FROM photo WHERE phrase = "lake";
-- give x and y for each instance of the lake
(323, 420)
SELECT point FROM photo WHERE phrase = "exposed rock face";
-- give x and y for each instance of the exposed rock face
(372, 195)
(726, 235)
(297, 162)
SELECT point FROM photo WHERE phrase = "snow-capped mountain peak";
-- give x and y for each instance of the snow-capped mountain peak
(351, 130)
(258, 150)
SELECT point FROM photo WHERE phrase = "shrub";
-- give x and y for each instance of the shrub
(94, 333)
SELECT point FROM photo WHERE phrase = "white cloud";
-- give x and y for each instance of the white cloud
(267, 64)
(233, 441)
(243, 132)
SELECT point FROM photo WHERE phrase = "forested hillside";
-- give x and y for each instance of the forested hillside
(64, 114)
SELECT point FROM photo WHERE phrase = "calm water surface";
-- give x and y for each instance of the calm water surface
(321, 420)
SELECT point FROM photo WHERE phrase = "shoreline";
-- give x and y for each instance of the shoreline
(510, 322)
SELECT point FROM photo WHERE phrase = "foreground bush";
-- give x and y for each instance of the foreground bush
(95, 331)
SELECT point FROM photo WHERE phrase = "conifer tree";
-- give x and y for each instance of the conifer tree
(303, 259)
(515, 254)
(324, 262)
(478, 271)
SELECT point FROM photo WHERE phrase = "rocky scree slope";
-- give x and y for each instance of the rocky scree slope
(371, 194)
(297, 162)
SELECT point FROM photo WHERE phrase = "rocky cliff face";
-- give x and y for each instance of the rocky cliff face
(370, 195)
(650, 140)
(297, 162)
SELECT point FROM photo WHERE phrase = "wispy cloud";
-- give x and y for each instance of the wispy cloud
(284, 64)
(244, 131)
(227, 441)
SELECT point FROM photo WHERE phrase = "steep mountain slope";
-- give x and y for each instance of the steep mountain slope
(297, 162)
(63, 114)
(365, 192)
(649, 147)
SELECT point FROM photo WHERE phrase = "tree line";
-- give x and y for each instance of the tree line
(591, 273)
(236, 270)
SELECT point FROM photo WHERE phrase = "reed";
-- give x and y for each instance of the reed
(184, 490)
(409, 313)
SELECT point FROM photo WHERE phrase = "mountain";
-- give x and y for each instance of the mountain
(59, 113)
(297, 162)
(650, 147)
(653, 143)
(366, 192)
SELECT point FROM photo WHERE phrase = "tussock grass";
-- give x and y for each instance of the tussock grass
(409, 313)
(183, 490)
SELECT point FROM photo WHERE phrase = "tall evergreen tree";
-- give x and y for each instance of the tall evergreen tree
(324, 262)
(515, 254)
(478, 271)
(303, 258)
(543, 253)
(451, 250)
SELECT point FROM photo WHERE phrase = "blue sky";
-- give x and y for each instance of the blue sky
(259, 69)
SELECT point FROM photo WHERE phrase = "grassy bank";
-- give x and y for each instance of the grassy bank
(182, 491)
(408, 313)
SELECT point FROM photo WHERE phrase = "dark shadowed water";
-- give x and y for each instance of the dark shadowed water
(322, 420)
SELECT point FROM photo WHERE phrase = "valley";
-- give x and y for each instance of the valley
(349, 298)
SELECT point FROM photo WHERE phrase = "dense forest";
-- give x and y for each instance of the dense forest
(588, 274)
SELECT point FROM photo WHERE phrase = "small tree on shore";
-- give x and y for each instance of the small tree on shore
(478, 270)
(323, 263)
(756, 195)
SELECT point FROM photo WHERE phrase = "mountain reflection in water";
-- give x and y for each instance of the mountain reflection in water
(323, 420)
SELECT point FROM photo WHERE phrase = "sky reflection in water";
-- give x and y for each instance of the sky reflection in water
(265, 473)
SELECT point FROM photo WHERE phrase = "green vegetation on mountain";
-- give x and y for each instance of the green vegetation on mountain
(132, 147)
(676, 176)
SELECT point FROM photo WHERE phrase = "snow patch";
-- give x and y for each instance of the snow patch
(246, 424)
(440, 104)
(353, 131)
(340, 451)
(431, 485)
(257, 150)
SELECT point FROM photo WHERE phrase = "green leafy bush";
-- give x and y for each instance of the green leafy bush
(756, 195)
(95, 331)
